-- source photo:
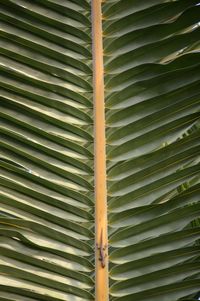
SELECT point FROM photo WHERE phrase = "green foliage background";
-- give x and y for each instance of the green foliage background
(151, 61)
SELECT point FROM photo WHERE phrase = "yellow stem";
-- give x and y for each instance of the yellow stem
(101, 271)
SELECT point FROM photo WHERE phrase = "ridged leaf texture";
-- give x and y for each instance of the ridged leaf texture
(152, 111)
(152, 88)
(46, 151)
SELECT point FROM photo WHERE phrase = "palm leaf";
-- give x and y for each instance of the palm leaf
(151, 62)
(152, 99)
(46, 159)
